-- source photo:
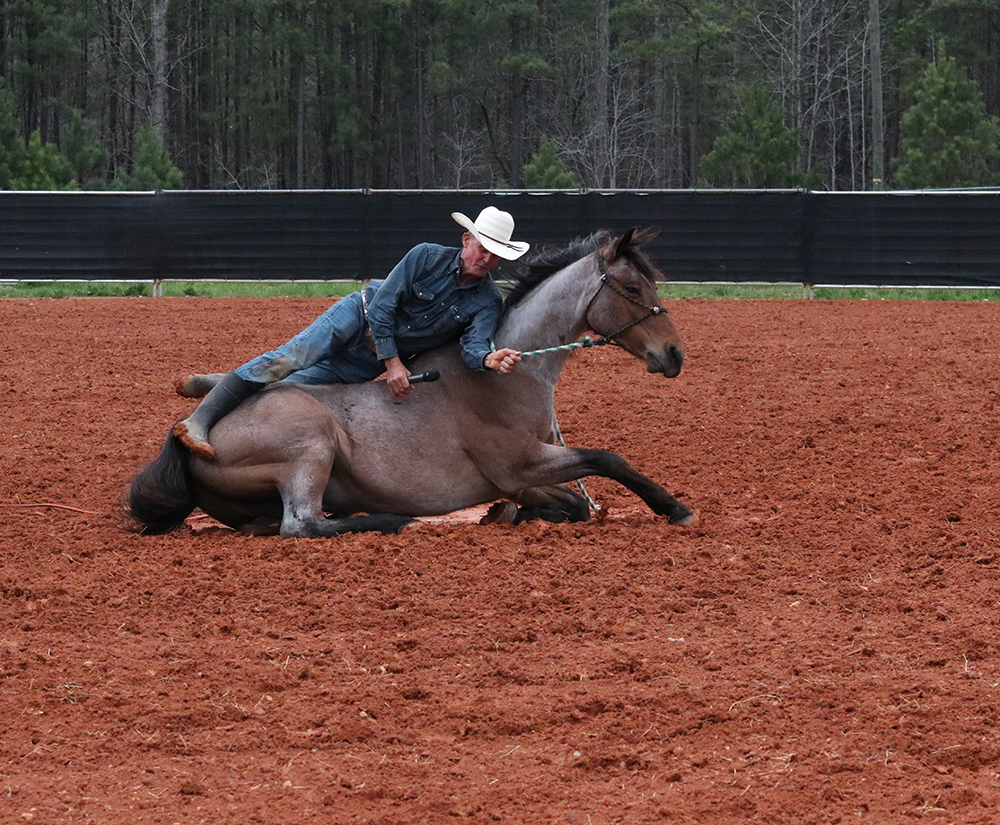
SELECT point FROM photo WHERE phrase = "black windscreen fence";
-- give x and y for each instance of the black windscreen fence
(877, 239)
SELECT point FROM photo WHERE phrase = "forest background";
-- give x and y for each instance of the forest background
(443, 94)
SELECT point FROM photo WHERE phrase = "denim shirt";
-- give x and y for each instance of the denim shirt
(420, 305)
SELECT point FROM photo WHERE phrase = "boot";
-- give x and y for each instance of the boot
(196, 385)
(223, 398)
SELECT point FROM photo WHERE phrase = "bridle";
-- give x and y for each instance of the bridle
(607, 283)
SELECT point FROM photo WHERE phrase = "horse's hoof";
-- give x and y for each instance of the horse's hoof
(500, 512)
(413, 526)
(690, 520)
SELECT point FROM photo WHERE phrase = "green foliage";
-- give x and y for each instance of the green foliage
(152, 168)
(42, 168)
(755, 149)
(11, 142)
(545, 170)
(87, 158)
(44, 40)
(947, 140)
(527, 63)
(432, 93)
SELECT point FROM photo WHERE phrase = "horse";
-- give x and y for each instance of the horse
(322, 460)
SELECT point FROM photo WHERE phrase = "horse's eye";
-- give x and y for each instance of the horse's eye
(634, 291)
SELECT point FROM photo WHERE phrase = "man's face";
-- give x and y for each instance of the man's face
(477, 261)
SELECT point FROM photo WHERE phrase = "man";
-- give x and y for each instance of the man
(434, 295)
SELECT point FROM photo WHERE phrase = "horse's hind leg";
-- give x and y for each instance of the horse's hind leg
(323, 527)
(302, 500)
(556, 503)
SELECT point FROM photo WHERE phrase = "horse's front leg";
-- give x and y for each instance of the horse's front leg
(613, 466)
(558, 465)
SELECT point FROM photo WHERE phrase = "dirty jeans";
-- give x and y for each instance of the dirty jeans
(332, 350)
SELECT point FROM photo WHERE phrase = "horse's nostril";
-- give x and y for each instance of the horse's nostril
(667, 361)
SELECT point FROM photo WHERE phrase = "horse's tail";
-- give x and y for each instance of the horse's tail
(161, 496)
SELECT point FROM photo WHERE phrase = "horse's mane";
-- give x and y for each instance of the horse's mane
(549, 260)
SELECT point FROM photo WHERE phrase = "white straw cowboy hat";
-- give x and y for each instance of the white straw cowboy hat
(493, 229)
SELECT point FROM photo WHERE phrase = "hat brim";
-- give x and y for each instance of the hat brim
(508, 250)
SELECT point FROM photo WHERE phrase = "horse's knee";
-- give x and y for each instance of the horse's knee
(577, 508)
(555, 504)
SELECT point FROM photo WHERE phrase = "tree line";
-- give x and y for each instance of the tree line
(432, 94)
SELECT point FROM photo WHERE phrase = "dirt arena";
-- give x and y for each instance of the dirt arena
(822, 649)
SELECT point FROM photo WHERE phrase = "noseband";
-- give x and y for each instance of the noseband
(606, 282)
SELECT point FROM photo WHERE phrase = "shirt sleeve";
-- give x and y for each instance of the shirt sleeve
(478, 336)
(396, 288)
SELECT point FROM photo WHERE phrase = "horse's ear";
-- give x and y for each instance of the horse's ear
(635, 237)
(623, 244)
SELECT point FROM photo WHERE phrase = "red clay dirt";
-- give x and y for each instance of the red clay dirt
(822, 649)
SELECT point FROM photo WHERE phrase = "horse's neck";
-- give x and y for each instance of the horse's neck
(552, 314)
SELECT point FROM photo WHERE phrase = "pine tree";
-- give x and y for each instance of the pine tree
(42, 168)
(85, 154)
(152, 167)
(755, 149)
(11, 142)
(946, 138)
(545, 170)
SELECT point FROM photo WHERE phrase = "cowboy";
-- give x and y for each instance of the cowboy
(434, 295)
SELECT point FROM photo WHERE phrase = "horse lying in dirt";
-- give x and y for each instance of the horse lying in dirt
(321, 460)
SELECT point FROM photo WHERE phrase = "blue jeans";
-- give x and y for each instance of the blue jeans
(333, 349)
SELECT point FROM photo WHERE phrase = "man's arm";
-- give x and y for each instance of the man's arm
(477, 348)
(396, 288)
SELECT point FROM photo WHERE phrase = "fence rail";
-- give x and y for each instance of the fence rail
(776, 236)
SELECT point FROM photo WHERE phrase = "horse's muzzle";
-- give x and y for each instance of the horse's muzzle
(667, 361)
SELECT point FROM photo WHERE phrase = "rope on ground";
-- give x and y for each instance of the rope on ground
(56, 506)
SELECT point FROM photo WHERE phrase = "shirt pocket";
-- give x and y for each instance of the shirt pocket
(459, 315)
(423, 295)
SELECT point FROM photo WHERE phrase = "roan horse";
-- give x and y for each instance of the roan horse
(304, 460)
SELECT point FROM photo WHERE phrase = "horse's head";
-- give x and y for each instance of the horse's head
(626, 308)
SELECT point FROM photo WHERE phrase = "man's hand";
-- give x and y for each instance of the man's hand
(397, 377)
(503, 360)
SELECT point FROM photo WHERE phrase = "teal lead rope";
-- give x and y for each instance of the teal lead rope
(583, 343)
